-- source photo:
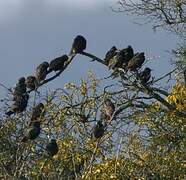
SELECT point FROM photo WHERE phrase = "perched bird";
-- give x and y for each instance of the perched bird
(58, 63)
(37, 112)
(32, 133)
(52, 147)
(31, 82)
(110, 54)
(79, 45)
(98, 130)
(117, 60)
(145, 75)
(20, 88)
(108, 107)
(19, 105)
(120, 58)
(41, 71)
(136, 62)
(128, 55)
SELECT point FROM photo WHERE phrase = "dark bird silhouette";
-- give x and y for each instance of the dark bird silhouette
(128, 55)
(31, 82)
(108, 107)
(110, 54)
(117, 60)
(41, 71)
(20, 88)
(98, 130)
(79, 45)
(136, 62)
(19, 105)
(121, 58)
(32, 133)
(37, 112)
(52, 148)
(145, 75)
(58, 63)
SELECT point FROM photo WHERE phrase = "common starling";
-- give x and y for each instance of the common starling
(128, 55)
(31, 82)
(19, 105)
(98, 130)
(79, 45)
(52, 148)
(108, 107)
(37, 112)
(117, 60)
(41, 71)
(58, 63)
(145, 75)
(136, 62)
(110, 54)
(32, 133)
(20, 88)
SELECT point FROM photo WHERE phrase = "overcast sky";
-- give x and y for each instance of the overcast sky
(32, 31)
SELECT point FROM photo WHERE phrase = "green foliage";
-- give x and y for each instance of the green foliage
(140, 143)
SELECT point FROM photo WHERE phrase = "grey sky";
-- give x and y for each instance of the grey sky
(36, 31)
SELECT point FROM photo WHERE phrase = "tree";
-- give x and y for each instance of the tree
(170, 15)
(144, 138)
(167, 14)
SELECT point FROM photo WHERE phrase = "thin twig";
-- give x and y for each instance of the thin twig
(89, 168)
(165, 75)
(9, 89)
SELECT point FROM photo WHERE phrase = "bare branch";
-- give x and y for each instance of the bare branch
(93, 57)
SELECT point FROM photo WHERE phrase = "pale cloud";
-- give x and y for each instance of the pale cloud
(9, 8)
(79, 4)
(10, 3)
